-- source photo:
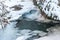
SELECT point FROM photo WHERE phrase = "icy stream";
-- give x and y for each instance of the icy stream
(13, 33)
(8, 33)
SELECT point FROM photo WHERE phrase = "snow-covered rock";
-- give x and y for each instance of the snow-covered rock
(54, 34)
(22, 37)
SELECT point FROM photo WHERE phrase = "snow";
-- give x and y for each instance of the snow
(26, 8)
(53, 7)
(0, 27)
(22, 37)
(55, 35)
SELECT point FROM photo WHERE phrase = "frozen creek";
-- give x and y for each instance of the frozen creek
(25, 32)
(11, 32)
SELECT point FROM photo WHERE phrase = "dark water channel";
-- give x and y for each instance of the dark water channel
(33, 25)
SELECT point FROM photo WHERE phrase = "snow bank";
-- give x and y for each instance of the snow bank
(27, 6)
(22, 37)
(54, 35)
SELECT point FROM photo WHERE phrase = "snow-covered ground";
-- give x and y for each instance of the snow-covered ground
(54, 35)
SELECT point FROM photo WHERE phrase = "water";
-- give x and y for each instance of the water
(33, 25)
(8, 33)
(24, 30)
